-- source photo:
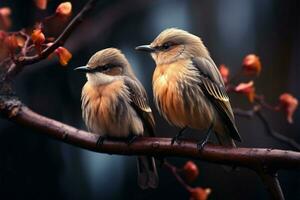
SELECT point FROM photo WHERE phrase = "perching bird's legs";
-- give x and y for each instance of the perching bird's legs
(131, 138)
(100, 140)
(178, 135)
(202, 143)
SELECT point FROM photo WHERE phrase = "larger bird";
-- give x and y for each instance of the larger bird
(188, 88)
(114, 104)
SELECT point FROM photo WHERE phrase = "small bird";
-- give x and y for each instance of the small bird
(188, 88)
(115, 105)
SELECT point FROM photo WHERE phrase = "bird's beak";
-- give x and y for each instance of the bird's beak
(85, 69)
(146, 48)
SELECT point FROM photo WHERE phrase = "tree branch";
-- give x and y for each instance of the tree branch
(252, 158)
(28, 60)
(256, 111)
(270, 180)
(260, 160)
(289, 141)
(244, 113)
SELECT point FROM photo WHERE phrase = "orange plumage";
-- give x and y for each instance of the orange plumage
(115, 105)
(188, 88)
(168, 85)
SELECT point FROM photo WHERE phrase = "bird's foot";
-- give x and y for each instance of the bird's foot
(176, 138)
(100, 141)
(131, 139)
(201, 144)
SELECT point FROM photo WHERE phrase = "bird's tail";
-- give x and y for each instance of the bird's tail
(147, 173)
(225, 140)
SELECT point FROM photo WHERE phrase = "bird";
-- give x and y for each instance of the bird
(115, 105)
(188, 89)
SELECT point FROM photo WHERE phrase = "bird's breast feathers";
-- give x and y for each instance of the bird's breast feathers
(106, 110)
(178, 96)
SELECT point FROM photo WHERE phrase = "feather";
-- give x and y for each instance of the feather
(147, 172)
(213, 86)
(139, 102)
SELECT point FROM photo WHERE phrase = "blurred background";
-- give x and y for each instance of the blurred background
(34, 166)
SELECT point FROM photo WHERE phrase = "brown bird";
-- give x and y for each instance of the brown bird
(188, 88)
(115, 105)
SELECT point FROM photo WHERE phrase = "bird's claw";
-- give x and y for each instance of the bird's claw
(175, 139)
(100, 141)
(203, 142)
(132, 139)
(201, 145)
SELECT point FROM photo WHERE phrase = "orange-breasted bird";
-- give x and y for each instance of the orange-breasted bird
(115, 105)
(188, 88)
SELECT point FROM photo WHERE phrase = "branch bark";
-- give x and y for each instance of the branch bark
(253, 158)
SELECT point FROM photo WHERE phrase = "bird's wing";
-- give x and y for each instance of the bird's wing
(213, 86)
(139, 102)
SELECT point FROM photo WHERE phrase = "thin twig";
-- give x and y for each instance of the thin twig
(4, 61)
(27, 60)
(108, 17)
(244, 113)
(174, 171)
(256, 111)
(27, 40)
(260, 99)
(276, 135)
(271, 182)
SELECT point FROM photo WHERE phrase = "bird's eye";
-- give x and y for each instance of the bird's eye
(166, 45)
(106, 67)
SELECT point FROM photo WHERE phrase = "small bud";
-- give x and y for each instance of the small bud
(3, 35)
(64, 55)
(190, 171)
(38, 37)
(5, 11)
(247, 89)
(224, 71)
(251, 65)
(11, 42)
(64, 9)
(5, 21)
(289, 104)
(20, 41)
(41, 4)
(199, 193)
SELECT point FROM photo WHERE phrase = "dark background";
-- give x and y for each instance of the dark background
(33, 166)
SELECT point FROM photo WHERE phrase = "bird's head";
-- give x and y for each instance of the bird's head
(174, 44)
(105, 66)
